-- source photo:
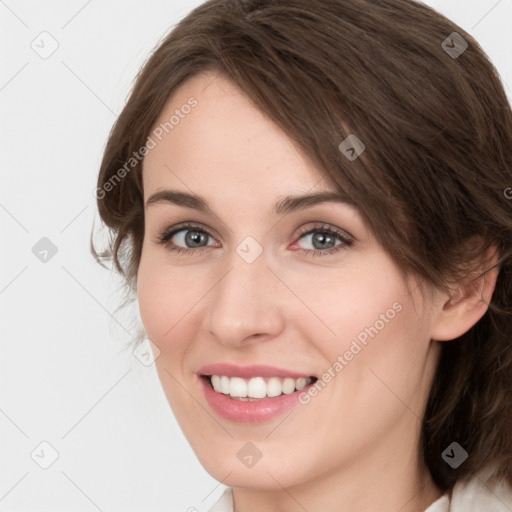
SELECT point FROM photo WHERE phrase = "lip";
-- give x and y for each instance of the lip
(247, 372)
(244, 411)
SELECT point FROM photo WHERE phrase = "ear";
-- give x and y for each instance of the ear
(459, 310)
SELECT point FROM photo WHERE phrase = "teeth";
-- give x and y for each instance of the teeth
(288, 386)
(301, 383)
(238, 387)
(224, 385)
(215, 379)
(257, 387)
(274, 387)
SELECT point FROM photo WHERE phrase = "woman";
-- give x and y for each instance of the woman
(376, 134)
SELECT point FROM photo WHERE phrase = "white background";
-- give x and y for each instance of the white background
(65, 377)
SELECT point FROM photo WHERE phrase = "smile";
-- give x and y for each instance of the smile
(252, 394)
(257, 387)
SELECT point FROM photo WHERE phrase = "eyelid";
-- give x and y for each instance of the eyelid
(168, 233)
(346, 238)
(319, 226)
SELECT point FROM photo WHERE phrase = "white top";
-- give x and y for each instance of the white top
(474, 496)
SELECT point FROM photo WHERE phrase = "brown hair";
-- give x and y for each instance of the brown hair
(430, 184)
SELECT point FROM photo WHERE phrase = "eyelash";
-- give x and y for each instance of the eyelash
(164, 238)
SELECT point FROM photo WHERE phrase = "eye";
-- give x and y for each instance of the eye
(193, 237)
(322, 237)
(186, 234)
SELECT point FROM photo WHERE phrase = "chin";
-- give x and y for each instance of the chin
(271, 472)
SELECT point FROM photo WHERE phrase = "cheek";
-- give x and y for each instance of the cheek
(152, 299)
(384, 351)
(378, 340)
(168, 296)
(159, 296)
(352, 302)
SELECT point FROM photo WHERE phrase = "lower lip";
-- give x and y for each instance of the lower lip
(245, 411)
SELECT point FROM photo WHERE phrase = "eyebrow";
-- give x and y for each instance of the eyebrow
(286, 205)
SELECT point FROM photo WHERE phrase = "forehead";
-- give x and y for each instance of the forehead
(224, 145)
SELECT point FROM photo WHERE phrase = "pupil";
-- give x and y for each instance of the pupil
(194, 237)
(321, 237)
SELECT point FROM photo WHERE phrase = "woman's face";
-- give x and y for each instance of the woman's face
(267, 300)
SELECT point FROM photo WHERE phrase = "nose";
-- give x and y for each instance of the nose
(247, 303)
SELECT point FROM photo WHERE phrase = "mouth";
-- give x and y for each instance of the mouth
(256, 388)
(252, 394)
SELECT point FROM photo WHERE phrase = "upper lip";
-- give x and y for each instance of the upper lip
(247, 372)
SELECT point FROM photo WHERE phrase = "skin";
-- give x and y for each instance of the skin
(354, 446)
